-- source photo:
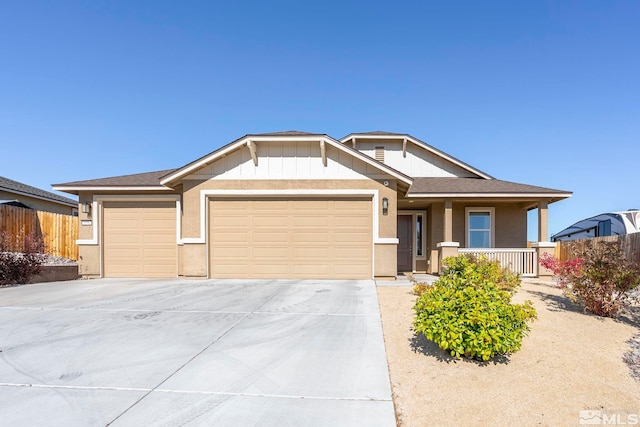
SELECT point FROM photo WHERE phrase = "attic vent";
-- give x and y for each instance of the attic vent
(380, 154)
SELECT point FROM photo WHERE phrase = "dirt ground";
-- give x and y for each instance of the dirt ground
(569, 362)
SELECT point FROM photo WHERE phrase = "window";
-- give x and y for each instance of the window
(419, 240)
(604, 228)
(480, 229)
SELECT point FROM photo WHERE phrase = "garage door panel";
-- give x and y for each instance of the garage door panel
(271, 237)
(311, 221)
(271, 220)
(270, 252)
(350, 237)
(139, 239)
(310, 238)
(300, 238)
(124, 238)
(232, 237)
(230, 252)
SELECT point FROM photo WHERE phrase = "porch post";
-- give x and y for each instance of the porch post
(543, 221)
(447, 247)
(447, 227)
(543, 246)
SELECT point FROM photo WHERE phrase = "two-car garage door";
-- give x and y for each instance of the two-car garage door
(309, 238)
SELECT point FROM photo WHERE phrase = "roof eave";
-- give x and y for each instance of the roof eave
(77, 189)
(558, 196)
(48, 199)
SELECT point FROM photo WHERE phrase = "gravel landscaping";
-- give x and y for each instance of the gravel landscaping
(570, 362)
(57, 260)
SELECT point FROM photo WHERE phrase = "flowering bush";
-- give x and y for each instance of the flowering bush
(599, 277)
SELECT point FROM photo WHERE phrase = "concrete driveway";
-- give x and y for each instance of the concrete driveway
(131, 352)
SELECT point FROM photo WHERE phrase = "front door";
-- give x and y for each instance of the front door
(405, 252)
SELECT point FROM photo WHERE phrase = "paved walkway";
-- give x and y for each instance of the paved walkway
(405, 279)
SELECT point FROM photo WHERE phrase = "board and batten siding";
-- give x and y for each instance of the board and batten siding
(286, 160)
(417, 163)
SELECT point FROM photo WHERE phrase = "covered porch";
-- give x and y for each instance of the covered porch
(433, 225)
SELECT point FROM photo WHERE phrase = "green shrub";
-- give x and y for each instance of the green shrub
(467, 314)
(486, 270)
(599, 277)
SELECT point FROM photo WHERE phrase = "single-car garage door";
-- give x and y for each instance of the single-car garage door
(302, 238)
(139, 239)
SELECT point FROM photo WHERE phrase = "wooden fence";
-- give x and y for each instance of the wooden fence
(630, 244)
(59, 231)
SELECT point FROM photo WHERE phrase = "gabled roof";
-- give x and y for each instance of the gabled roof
(19, 188)
(278, 136)
(477, 187)
(138, 181)
(404, 136)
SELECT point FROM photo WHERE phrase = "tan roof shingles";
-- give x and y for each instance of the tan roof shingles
(475, 186)
(148, 179)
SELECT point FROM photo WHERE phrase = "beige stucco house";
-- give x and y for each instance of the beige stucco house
(303, 205)
(19, 194)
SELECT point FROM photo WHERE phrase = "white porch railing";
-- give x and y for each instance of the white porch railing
(521, 261)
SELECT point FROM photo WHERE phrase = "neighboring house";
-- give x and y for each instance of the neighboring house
(606, 224)
(302, 205)
(18, 194)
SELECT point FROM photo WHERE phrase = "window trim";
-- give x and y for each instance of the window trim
(492, 222)
(421, 247)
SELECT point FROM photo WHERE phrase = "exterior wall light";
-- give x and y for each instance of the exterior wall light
(385, 206)
(86, 208)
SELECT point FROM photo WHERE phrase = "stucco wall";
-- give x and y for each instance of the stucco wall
(510, 224)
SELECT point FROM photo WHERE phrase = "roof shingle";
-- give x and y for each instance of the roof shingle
(475, 186)
(148, 179)
(12, 186)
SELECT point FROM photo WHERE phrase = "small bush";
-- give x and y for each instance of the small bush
(599, 277)
(484, 269)
(420, 288)
(17, 267)
(467, 314)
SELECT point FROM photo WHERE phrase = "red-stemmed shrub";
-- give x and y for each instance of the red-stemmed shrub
(598, 277)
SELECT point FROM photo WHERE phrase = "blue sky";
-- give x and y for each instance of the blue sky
(539, 92)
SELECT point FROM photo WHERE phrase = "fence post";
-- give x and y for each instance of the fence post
(544, 248)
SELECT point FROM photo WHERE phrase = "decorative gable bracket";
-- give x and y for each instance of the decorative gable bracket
(252, 150)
